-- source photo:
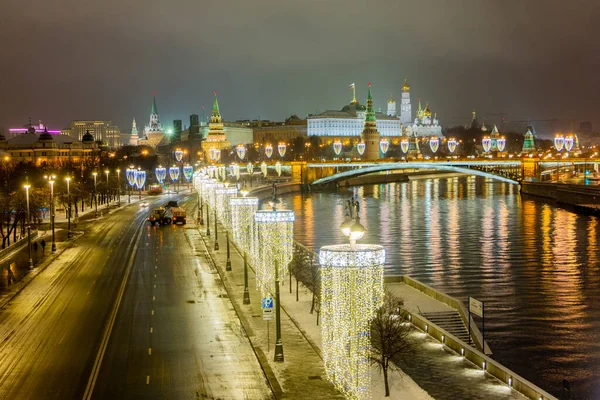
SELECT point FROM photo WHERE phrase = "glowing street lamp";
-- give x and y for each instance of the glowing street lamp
(352, 291)
(107, 199)
(119, 186)
(27, 186)
(51, 179)
(68, 179)
(95, 174)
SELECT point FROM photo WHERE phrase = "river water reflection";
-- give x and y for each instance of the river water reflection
(536, 266)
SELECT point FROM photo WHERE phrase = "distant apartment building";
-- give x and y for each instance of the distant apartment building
(273, 132)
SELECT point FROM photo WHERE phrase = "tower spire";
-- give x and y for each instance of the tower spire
(370, 114)
(353, 87)
(216, 114)
(370, 135)
(154, 109)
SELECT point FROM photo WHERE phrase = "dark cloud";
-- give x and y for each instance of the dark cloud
(66, 60)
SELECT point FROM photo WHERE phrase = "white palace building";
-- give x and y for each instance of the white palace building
(350, 120)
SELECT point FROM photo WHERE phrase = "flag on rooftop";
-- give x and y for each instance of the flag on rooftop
(351, 86)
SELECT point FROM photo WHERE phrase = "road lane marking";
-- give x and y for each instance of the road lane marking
(154, 286)
(155, 275)
(152, 312)
(149, 351)
(147, 379)
(151, 329)
(153, 297)
(111, 321)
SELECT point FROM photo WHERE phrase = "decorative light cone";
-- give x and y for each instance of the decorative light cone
(222, 196)
(130, 174)
(569, 142)
(434, 144)
(140, 179)
(361, 148)
(501, 144)
(404, 144)
(242, 220)
(351, 292)
(250, 169)
(240, 149)
(486, 143)
(236, 171)
(263, 169)
(384, 145)
(231, 169)
(452, 145)
(559, 142)
(337, 147)
(188, 171)
(273, 244)
(174, 173)
(178, 155)
(222, 173)
(215, 155)
(161, 174)
(268, 150)
(281, 147)
(278, 168)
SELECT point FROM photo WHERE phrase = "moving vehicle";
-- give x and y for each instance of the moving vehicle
(159, 216)
(178, 216)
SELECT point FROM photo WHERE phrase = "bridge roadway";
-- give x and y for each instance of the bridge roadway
(51, 332)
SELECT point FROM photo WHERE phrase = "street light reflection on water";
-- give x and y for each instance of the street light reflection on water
(535, 265)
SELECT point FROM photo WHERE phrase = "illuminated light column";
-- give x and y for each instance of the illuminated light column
(273, 250)
(222, 196)
(351, 292)
(200, 177)
(242, 218)
(209, 189)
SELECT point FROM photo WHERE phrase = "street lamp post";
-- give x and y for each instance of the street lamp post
(119, 187)
(216, 232)
(246, 291)
(107, 199)
(51, 179)
(228, 263)
(68, 179)
(95, 174)
(27, 186)
(207, 221)
(278, 341)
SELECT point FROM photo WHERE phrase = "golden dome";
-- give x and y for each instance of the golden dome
(405, 86)
(426, 112)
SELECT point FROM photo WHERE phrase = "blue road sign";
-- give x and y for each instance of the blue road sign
(267, 302)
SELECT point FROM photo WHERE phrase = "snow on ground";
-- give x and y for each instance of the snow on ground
(402, 387)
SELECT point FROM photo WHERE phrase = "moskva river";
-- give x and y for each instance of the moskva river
(536, 266)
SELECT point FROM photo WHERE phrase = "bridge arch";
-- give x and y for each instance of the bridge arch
(380, 167)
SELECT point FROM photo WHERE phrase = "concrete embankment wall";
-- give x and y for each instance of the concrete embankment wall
(396, 177)
(264, 192)
(581, 198)
(475, 356)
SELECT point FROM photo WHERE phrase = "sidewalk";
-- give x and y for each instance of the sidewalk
(301, 375)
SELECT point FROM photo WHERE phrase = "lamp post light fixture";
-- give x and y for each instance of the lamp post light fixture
(27, 186)
(228, 262)
(107, 199)
(118, 187)
(352, 291)
(68, 179)
(95, 174)
(51, 179)
(216, 232)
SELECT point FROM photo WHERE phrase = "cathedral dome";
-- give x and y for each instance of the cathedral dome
(405, 86)
(87, 138)
(426, 111)
(353, 108)
(45, 135)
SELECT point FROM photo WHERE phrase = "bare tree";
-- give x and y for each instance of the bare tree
(390, 335)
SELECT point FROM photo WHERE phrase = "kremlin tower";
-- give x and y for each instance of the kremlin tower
(134, 137)
(528, 142)
(370, 134)
(153, 133)
(405, 107)
(391, 107)
(215, 139)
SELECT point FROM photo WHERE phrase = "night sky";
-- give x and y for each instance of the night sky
(67, 59)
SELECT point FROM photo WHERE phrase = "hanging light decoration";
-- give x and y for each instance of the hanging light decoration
(351, 293)
(273, 244)
(263, 168)
(240, 149)
(569, 143)
(140, 179)
(223, 173)
(130, 174)
(361, 148)
(231, 169)
(337, 147)
(452, 145)
(242, 220)
(384, 145)
(486, 143)
(281, 147)
(434, 144)
(174, 173)
(209, 192)
(559, 142)
(178, 155)
(222, 196)
(404, 144)
(188, 171)
(161, 174)
(268, 150)
(236, 171)
(278, 168)
(250, 169)
(501, 144)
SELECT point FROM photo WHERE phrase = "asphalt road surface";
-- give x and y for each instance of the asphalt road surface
(177, 335)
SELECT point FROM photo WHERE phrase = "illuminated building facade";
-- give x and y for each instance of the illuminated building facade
(153, 132)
